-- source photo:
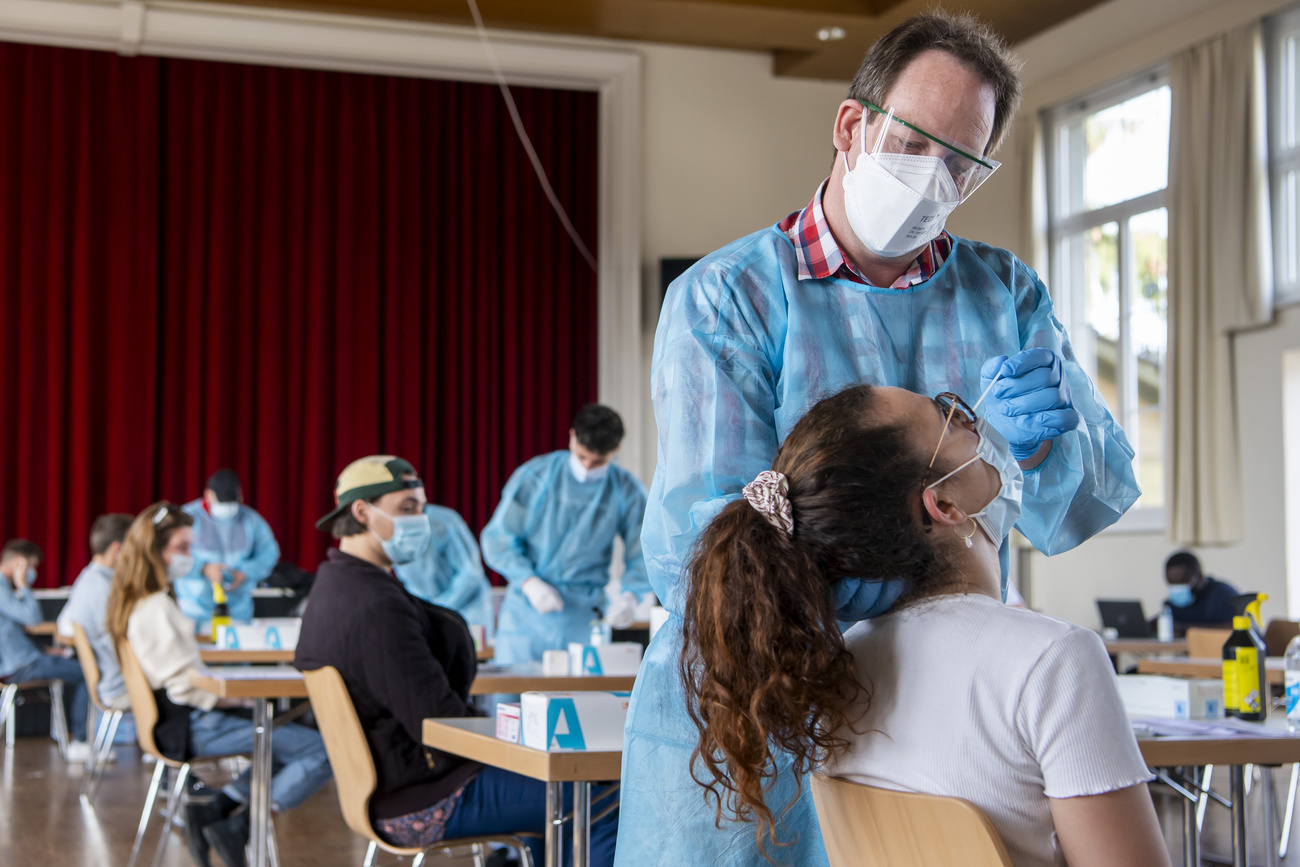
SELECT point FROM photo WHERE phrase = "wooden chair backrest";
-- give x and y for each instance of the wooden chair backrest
(143, 705)
(1279, 634)
(345, 743)
(1203, 643)
(864, 826)
(89, 664)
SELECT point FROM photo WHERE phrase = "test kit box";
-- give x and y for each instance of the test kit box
(558, 721)
(268, 633)
(508, 715)
(619, 658)
(1150, 695)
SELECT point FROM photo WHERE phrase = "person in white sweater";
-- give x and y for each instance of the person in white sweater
(142, 610)
(948, 693)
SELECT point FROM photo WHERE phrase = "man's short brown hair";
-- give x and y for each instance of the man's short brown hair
(108, 529)
(967, 39)
(21, 548)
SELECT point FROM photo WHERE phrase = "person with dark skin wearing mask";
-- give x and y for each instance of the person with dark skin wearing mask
(1196, 599)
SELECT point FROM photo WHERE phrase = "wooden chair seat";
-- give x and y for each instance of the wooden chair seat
(865, 826)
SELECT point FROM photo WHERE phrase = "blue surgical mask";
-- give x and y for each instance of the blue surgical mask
(1000, 514)
(411, 534)
(1180, 595)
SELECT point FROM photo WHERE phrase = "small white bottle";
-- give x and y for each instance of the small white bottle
(1165, 625)
(599, 630)
(1293, 684)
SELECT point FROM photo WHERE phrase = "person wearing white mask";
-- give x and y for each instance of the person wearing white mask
(863, 285)
(233, 547)
(20, 659)
(951, 692)
(192, 722)
(552, 537)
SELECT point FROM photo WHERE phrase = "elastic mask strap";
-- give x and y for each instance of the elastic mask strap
(953, 473)
(946, 422)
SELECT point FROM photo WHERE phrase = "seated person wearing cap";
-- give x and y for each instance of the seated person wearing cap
(1195, 598)
(403, 661)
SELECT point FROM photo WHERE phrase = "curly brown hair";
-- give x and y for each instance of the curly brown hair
(769, 681)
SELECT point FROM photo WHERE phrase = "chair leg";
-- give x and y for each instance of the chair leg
(58, 721)
(1205, 797)
(92, 761)
(104, 749)
(272, 849)
(525, 855)
(417, 860)
(173, 803)
(477, 849)
(1290, 812)
(370, 854)
(147, 812)
(8, 699)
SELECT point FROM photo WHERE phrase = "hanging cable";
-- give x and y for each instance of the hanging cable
(523, 137)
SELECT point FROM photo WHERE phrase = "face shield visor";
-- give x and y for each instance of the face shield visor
(938, 169)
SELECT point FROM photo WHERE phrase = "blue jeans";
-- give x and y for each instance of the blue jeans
(299, 765)
(499, 802)
(74, 687)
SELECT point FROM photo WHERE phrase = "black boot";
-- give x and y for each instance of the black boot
(230, 837)
(197, 817)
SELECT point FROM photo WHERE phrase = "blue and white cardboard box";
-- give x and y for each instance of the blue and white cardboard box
(618, 658)
(557, 721)
(1152, 695)
(270, 633)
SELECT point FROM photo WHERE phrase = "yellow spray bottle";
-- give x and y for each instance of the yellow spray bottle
(1244, 685)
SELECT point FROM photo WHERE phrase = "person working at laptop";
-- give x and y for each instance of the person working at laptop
(1195, 598)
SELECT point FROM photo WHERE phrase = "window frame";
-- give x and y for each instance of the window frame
(1282, 83)
(1055, 121)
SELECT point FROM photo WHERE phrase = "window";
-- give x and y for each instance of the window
(1282, 44)
(1108, 164)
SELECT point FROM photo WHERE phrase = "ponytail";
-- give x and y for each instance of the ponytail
(763, 662)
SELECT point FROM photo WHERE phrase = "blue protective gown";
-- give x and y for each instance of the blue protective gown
(561, 530)
(743, 350)
(245, 544)
(449, 572)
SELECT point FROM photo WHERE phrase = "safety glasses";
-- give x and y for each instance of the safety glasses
(897, 136)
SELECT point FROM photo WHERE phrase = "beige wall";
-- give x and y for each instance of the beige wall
(1069, 61)
(728, 148)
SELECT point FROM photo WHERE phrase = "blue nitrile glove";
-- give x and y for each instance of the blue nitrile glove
(1031, 402)
(856, 599)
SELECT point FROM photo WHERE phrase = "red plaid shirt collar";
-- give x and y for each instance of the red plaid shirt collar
(821, 257)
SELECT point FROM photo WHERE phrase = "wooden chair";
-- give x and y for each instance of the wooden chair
(145, 709)
(355, 777)
(864, 826)
(1206, 643)
(109, 719)
(9, 692)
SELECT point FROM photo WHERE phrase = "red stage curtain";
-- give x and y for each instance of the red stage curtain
(279, 271)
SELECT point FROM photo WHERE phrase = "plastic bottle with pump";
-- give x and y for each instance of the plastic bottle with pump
(1165, 625)
(1245, 688)
(220, 611)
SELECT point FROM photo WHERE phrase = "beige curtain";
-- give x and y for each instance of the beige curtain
(1220, 272)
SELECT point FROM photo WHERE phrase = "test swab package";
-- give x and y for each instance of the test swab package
(558, 721)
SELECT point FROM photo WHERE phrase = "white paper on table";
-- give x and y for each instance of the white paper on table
(1222, 728)
(254, 672)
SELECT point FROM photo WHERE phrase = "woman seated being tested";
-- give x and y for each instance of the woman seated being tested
(949, 693)
(404, 661)
(142, 611)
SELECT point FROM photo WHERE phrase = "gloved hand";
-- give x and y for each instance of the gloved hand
(622, 610)
(856, 599)
(1031, 402)
(545, 598)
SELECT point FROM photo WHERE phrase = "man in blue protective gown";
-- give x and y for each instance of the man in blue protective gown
(552, 538)
(448, 571)
(233, 546)
(862, 285)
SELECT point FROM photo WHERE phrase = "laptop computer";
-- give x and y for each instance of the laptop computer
(1125, 617)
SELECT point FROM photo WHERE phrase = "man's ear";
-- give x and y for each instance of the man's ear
(940, 510)
(360, 510)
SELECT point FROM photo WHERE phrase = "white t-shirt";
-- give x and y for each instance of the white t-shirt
(1000, 706)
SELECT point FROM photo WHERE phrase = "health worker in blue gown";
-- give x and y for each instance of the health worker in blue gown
(862, 285)
(233, 546)
(552, 538)
(448, 570)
